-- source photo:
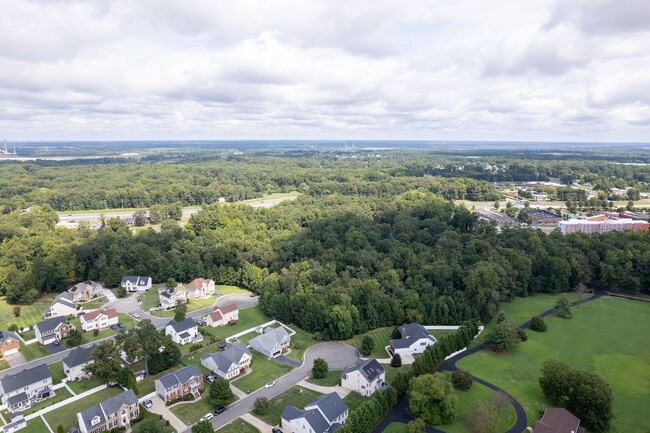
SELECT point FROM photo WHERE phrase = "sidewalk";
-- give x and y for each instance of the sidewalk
(256, 422)
(342, 392)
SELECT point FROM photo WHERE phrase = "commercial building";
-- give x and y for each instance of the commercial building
(600, 224)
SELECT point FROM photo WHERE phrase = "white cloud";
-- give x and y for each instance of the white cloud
(213, 69)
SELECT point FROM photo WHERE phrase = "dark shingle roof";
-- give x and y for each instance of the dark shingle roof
(182, 326)
(107, 407)
(180, 376)
(78, 356)
(4, 335)
(50, 324)
(411, 332)
(370, 369)
(18, 398)
(330, 404)
(231, 355)
(137, 280)
(12, 382)
(557, 420)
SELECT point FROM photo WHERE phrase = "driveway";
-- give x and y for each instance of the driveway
(241, 299)
(52, 348)
(287, 361)
(159, 408)
(15, 359)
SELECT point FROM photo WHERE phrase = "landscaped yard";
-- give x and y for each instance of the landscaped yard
(296, 396)
(56, 369)
(439, 333)
(621, 355)
(35, 425)
(195, 359)
(93, 304)
(263, 370)
(238, 426)
(32, 351)
(151, 299)
(89, 336)
(3, 364)
(354, 399)
(84, 385)
(392, 371)
(300, 342)
(29, 314)
(192, 412)
(333, 378)
(229, 290)
(161, 422)
(381, 337)
(248, 318)
(61, 394)
(67, 415)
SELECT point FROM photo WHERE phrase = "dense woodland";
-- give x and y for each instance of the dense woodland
(335, 265)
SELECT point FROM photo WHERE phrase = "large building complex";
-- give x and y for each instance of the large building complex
(601, 224)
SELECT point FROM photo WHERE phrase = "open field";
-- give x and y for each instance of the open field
(263, 370)
(192, 412)
(621, 355)
(56, 369)
(67, 415)
(506, 417)
(381, 337)
(29, 314)
(238, 426)
(296, 396)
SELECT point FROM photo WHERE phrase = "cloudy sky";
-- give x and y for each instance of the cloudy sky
(575, 70)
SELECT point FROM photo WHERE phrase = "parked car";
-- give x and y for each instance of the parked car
(209, 378)
(219, 410)
(120, 325)
(206, 417)
(276, 430)
(114, 327)
(147, 403)
(269, 384)
(56, 343)
(136, 315)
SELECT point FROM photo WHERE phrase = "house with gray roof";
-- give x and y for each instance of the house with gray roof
(185, 332)
(136, 283)
(116, 412)
(76, 360)
(19, 391)
(63, 305)
(324, 414)
(364, 377)
(9, 343)
(51, 330)
(272, 342)
(179, 384)
(230, 362)
(415, 338)
(86, 290)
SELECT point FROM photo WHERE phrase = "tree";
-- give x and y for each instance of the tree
(202, 427)
(13, 327)
(502, 337)
(106, 362)
(121, 292)
(537, 324)
(462, 380)
(171, 283)
(415, 426)
(75, 338)
(220, 392)
(555, 381)
(501, 317)
(132, 383)
(149, 425)
(563, 307)
(396, 360)
(140, 218)
(580, 290)
(320, 368)
(179, 312)
(367, 344)
(261, 406)
(432, 398)
(483, 417)
(16, 310)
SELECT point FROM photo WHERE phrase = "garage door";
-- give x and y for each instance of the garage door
(11, 351)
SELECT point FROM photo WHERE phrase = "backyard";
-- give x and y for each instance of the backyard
(248, 318)
(263, 370)
(296, 396)
(332, 378)
(238, 426)
(381, 338)
(56, 369)
(84, 385)
(67, 415)
(60, 395)
(29, 314)
(35, 425)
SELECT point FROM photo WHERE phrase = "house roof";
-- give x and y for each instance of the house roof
(110, 313)
(197, 283)
(83, 285)
(216, 316)
(271, 338)
(50, 324)
(330, 404)
(106, 408)
(557, 420)
(180, 376)
(370, 369)
(411, 332)
(65, 298)
(232, 354)
(12, 382)
(18, 398)
(165, 294)
(182, 326)
(5, 335)
(137, 280)
(78, 356)
(228, 308)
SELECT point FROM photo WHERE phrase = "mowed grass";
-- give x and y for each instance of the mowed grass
(192, 412)
(225, 289)
(296, 396)
(67, 415)
(396, 427)
(3, 364)
(439, 333)
(381, 338)
(84, 385)
(332, 378)
(607, 336)
(32, 351)
(56, 369)
(263, 371)
(61, 394)
(36, 425)
(478, 393)
(248, 318)
(354, 400)
(93, 304)
(238, 426)
(300, 342)
(29, 314)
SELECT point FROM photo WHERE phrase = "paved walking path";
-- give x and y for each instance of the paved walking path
(256, 422)
(238, 392)
(47, 424)
(342, 392)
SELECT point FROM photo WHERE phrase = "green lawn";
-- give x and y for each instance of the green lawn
(84, 385)
(29, 314)
(161, 422)
(89, 336)
(392, 371)
(67, 415)
(333, 378)
(381, 337)
(300, 342)
(263, 370)
(439, 333)
(128, 321)
(32, 351)
(292, 396)
(56, 369)
(3, 364)
(28, 335)
(61, 394)
(192, 412)
(35, 425)
(238, 426)
(396, 427)
(93, 304)
(248, 318)
(607, 336)
(196, 359)
(229, 290)
(151, 299)
(354, 400)
(506, 416)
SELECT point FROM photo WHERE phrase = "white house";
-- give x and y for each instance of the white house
(136, 284)
(51, 330)
(415, 338)
(225, 315)
(17, 422)
(76, 360)
(172, 296)
(185, 332)
(99, 319)
(200, 288)
(323, 414)
(230, 362)
(63, 305)
(272, 342)
(87, 290)
(364, 377)
(19, 391)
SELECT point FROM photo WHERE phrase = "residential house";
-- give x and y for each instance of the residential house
(16, 422)
(62, 306)
(136, 284)
(9, 343)
(184, 332)
(51, 330)
(86, 290)
(558, 420)
(99, 319)
(323, 414)
(200, 288)
(364, 377)
(76, 360)
(19, 391)
(272, 342)
(171, 296)
(180, 383)
(230, 362)
(225, 315)
(415, 338)
(116, 412)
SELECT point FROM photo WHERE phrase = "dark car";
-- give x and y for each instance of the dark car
(219, 410)
(276, 430)
(120, 325)
(114, 327)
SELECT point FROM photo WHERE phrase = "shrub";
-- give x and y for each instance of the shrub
(563, 307)
(261, 406)
(367, 344)
(396, 360)
(320, 368)
(537, 324)
(17, 311)
(95, 332)
(121, 292)
(13, 327)
(521, 334)
(462, 380)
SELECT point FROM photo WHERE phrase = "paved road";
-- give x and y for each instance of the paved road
(337, 355)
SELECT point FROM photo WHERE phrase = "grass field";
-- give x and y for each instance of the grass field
(296, 396)
(229, 290)
(35, 425)
(56, 369)
(621, 355)
(248, 318)
(263, 370)
(61, 394)
(29, 314)
(67, 415)
(396, 427)
(32, 351)
(381, 337)
(353, 400)
(439, 333)
(333, 378)
(506, 417)
(192, 412)
(238, 426)
(84, 385)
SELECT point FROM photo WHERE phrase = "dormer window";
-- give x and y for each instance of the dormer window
(94, 421)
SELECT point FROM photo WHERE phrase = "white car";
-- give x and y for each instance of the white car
(136, 315)
(269, 384)
(147, 403)
(206, 417)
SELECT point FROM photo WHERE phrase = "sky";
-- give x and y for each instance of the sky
(531, 70)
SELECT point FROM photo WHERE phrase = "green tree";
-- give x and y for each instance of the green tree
(179, 312)
(220, 393)
(106, 362)
(140, 218)
(171, 283)
(415, 426)
(555, 381)
(502, 337)
(483, 417)
(132, 384)
(261, 406)
(462, 379)
(13, 327)
(396, 360)
(75, 338)
(202, 427)
(537, 324)
(432, 398)
(320, 368)
(121, 292)
(367, 344)
(563, 307)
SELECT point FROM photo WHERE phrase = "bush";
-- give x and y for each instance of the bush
(17, 311)
(95, 332)
(396, 360)
(195, 347)
(462, 380)
(521, 334)
(537, 324)
(121, 292)
(367, 344)
(320, 368)
(563, 307)
(261, 406)
(13, 327)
